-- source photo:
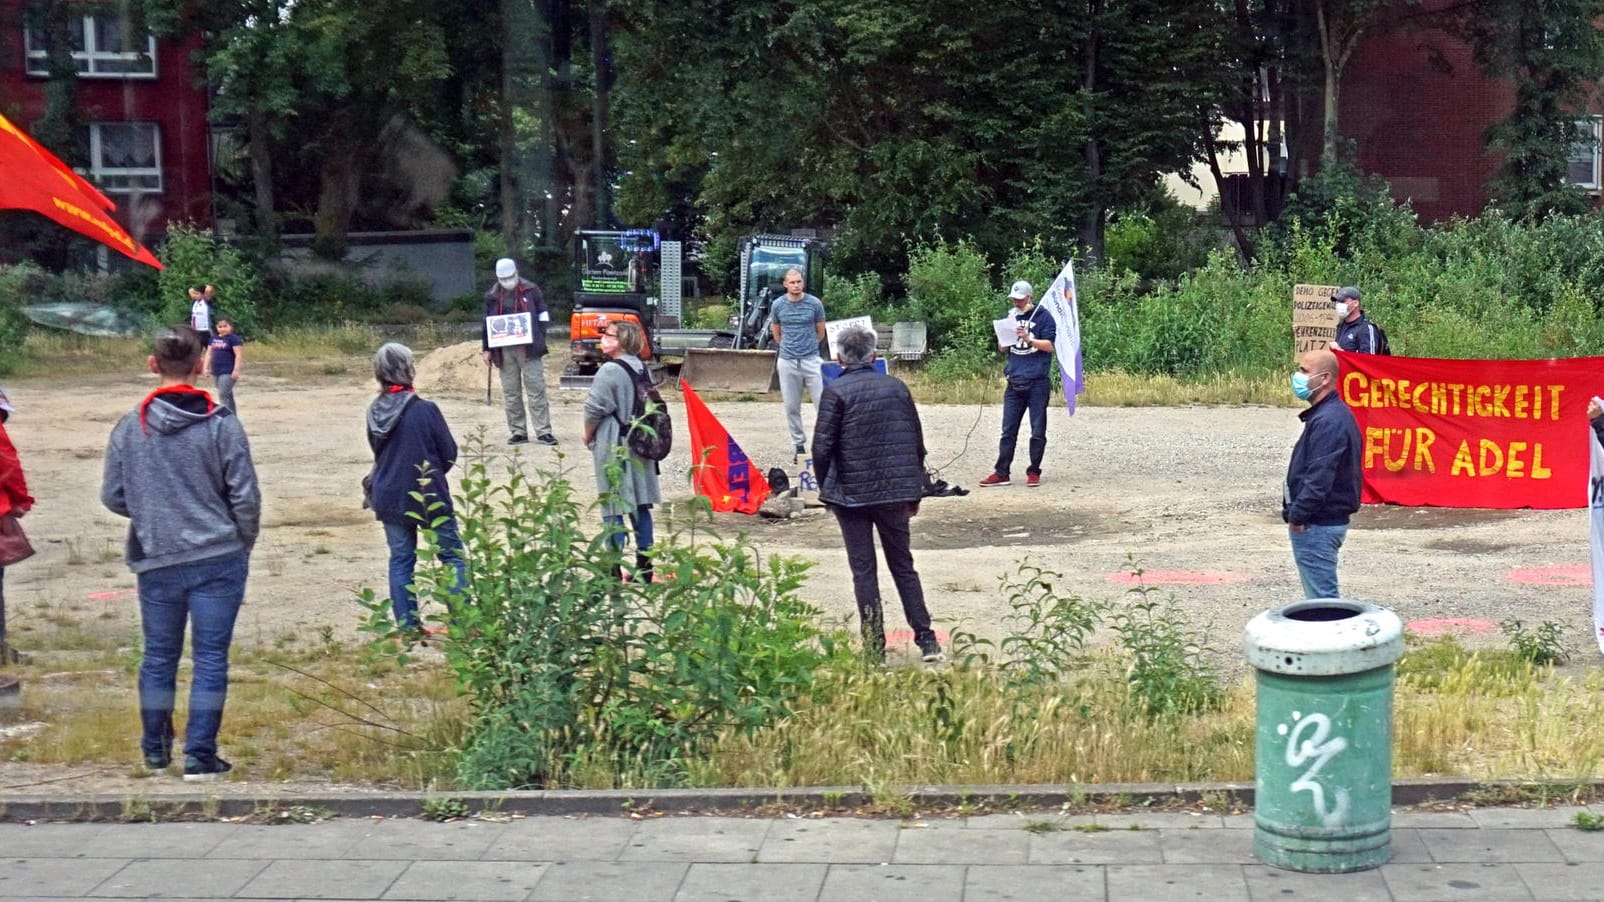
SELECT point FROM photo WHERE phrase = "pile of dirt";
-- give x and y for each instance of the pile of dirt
(457, 369)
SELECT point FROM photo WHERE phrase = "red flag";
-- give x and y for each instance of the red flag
(723, 473)
(36, 180)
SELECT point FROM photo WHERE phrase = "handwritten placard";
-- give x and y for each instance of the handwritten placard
(836, 327)
(1314, 323)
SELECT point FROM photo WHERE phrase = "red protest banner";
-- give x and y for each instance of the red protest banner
(723, 474)
(1472, 433)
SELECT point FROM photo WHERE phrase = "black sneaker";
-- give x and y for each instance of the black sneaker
(518, 440)
(930, 652)
(546, 438)
(157, 761)
(204, 770)
(801, 449)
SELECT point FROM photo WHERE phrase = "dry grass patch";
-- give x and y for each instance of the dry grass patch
(307, 712)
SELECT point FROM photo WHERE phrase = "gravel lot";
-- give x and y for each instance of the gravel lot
(1191, 495)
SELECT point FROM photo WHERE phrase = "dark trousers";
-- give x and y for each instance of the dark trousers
(1032, 396)
(857, 531)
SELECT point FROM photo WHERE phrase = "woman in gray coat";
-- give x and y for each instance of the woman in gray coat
(626, 481)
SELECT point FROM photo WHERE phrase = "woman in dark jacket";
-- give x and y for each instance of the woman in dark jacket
(412, 452)
(869, 456)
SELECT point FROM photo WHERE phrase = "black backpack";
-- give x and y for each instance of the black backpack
(650, 430)
(1381, 341)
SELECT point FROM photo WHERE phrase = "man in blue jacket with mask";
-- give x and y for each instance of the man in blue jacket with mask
(1323, 480)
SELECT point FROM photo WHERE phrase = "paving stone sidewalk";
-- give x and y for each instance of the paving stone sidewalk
(1488, 853)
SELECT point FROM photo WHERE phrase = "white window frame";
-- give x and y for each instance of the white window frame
(93, 62)
(125, 179)
(1590, 125)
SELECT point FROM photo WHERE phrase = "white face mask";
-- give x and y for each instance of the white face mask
(509, 284)
(1342, 310)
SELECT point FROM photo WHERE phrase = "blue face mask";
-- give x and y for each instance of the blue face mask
(1300, 386)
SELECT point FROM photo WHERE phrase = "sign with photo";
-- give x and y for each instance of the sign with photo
(509, 329)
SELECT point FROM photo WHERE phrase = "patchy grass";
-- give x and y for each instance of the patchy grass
(321, 710)
(309, 707)
(1110, 389)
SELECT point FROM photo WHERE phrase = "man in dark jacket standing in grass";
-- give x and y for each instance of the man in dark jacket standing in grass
(869, 456)
(1323, 480)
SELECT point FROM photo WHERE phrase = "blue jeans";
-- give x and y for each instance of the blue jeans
(402, 537)
(207, 594)
(1033, 397)
(1315, 552)
(640, 521)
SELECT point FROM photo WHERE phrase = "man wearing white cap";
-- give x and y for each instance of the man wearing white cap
(522, 375)
(1028, 371)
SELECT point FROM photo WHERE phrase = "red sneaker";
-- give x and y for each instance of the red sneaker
(994, 480)
(1033, 481)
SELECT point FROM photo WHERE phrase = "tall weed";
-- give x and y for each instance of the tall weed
(577, 678)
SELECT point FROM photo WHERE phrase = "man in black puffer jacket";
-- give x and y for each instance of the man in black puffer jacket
(869, 457)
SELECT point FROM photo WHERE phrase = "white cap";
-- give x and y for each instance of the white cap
(506, 269)
(1021, 290)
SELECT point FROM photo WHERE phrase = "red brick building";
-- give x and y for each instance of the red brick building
(1418, 108)
(146, 136)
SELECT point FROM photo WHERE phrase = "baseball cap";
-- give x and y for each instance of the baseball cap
(1349, 293)
(1021, 290)
(505, 268)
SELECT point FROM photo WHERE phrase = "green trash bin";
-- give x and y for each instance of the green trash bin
(1323, 754)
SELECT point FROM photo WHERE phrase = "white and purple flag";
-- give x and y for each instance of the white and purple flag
(1061, 302)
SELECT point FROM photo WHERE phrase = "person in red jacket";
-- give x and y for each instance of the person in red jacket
(14, 502)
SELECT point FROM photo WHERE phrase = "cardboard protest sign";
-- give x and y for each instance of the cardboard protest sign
(1314, 322)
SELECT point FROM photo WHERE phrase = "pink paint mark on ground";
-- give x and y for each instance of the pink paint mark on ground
(109, 594)
(897, 637)
(1177, 578)
(1568, 575)
(1439, 625)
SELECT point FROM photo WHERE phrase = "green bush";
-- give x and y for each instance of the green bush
(576, 678)
(193, 256)
(859, 295)
(1161, 241)
(949, 288)
(19, 284)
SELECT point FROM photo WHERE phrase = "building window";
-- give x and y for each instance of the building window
(125, 157)
(1583, 169)
(103, 46)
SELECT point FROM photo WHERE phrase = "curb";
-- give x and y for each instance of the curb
(847, 800)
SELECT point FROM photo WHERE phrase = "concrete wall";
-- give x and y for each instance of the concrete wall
(440, 258)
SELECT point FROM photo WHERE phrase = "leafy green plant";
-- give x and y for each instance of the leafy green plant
(1588, 822)
(1047, 631)
(443, 808)
(577, 678)
(1165, 670)
(1542, 646)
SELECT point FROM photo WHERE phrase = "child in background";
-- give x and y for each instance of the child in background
(223, 360)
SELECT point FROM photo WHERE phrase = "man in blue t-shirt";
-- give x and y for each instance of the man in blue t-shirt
(797, 323)
(1028, 371)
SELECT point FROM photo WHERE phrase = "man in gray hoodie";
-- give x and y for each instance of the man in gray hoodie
(179, 468)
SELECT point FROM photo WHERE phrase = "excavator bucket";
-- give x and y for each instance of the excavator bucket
(717, 369)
